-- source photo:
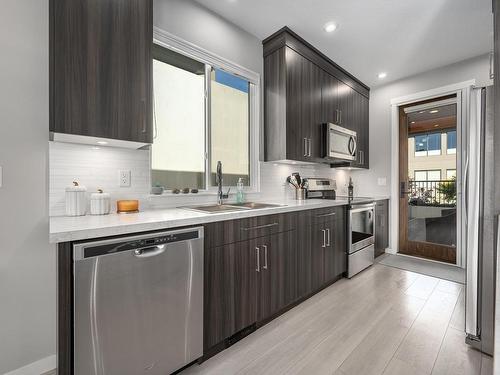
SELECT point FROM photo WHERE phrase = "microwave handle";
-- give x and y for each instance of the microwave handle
(352, 145)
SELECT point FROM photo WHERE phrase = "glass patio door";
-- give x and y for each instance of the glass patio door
(428, 173)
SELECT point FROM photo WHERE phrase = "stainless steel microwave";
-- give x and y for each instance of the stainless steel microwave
(340, 143)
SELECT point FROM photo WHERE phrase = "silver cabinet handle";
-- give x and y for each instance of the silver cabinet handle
(310, 147)
(328, 236)
(265, 257)
(325, 215)
(324, 238)
(340, 116)
(492, 61)
(257, 250)
(305, 146)
(143, 115)
(260, 227)
(337, 116)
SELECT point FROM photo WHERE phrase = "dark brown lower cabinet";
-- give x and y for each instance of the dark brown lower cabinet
(251, 281)
(277, 273)
(381, 227)
(230, 299)
(321, 250)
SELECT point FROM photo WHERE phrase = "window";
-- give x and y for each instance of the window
(451, 142)
(230, 127)
(432, 175)
(451, 174)
(428, 144)
(188, 143)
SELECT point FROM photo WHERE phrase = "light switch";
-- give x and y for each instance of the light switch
(382, 181)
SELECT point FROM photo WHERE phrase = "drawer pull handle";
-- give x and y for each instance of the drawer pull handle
(328, 237)
(325, 215)
(257, 250)
(260, 227)
(265, 257)
(324, 238)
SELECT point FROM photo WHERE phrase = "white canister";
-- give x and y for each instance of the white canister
(76, 200)
(100, 203)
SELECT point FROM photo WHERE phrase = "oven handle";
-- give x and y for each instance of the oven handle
(362, 207)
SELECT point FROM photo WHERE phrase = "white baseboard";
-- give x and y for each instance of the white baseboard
(39, 367)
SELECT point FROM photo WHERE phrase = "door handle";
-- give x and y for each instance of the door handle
(324, 238)
(341, 116)
(328, 236)
(305, 146)
(147, 252)
(337, 118)
(257, 250)
(310, 147)
(265, 257)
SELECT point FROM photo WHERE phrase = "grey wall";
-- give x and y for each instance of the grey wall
(27, 261)
(196, 24)
(380, 116)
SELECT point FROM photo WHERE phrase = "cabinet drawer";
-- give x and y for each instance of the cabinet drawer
(231, 231)
(324, 215)
(265, 225)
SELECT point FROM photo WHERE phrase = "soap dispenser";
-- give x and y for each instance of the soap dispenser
(240, 195)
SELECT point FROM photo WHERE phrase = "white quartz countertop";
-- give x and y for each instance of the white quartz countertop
(64, 229)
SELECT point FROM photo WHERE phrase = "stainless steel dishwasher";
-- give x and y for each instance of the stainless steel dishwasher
(138, 303)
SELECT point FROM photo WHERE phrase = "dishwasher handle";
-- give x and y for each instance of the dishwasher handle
(151, 251)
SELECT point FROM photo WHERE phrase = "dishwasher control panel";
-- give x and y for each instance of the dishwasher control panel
(112, 246)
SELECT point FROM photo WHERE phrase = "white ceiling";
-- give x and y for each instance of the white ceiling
(400, 37)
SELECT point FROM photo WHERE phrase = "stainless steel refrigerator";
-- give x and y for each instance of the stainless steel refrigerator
(478, 219)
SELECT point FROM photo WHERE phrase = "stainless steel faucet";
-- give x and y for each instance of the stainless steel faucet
(218, 179)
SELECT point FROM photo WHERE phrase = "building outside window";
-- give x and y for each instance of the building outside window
(451, 142)
(428, 144)
(432, 175)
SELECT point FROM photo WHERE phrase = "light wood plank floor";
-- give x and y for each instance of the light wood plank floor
(383, 321)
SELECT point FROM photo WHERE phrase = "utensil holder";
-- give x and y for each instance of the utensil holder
(300, 194)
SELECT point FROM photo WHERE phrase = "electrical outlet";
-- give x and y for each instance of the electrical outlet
(124, 178)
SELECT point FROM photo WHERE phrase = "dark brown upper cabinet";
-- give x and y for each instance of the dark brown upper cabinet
(101, 68)
(302, 90)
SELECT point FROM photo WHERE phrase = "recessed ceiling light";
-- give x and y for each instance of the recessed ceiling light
(436, 125)
(412, 122)
(102, 142)
(434, 111)
(330, 27)
(382, 75)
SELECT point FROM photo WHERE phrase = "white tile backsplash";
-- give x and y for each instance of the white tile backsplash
(98, 168)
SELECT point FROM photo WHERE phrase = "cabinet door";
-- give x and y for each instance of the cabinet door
(345, 98)
(381, 227)
(304, 254)
(278, 273)
(335, 254)
(101, 68)
(230, 291)
(303, 108)
(329, 99)
(318, 245)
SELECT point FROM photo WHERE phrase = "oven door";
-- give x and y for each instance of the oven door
(340, 143)
(361, 227)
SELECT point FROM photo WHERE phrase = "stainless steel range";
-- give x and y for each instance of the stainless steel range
(361, 223)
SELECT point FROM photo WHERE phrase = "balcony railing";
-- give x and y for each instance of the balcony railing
(432, 193)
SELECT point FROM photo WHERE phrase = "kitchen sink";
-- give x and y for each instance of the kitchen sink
(216, 208)
(256, 205)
